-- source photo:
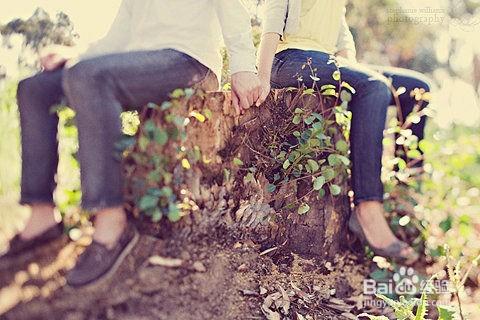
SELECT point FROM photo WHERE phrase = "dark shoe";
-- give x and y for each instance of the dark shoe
(98, 262)
(395, 251)
(19, 246)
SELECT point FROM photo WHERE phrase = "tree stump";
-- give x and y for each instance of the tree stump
(277, 175)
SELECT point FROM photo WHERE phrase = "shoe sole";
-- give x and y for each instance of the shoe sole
(99, 281)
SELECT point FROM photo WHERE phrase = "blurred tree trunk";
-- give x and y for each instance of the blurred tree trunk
(476, 73)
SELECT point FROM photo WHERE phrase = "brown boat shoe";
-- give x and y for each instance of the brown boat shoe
(98, 263)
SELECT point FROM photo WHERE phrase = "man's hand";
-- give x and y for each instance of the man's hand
(347, 54)
(55, 57)
(246, 90)
(52, 61)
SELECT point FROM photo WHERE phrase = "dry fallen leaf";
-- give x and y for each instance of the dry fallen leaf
(270, 315)
(199, 267)
(247, 292)
(285, 300)
(165, 262)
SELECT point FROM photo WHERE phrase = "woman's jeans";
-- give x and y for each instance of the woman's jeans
(368, 106)
(98, 89)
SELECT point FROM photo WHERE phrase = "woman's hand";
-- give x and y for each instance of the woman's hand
(264, 90)
(245, 90)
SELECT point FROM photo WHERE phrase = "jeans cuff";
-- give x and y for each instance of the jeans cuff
(93, 206)
(31, 200)
(359, 200)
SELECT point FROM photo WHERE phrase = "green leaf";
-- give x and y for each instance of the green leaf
(249, 178)
(330, 92)
(345, 96)
(336, 75)
(166, 192)
(309, 120)
(208, 113)
(237, 162)
(329, 174)
(414, 154)
(349, 87)
(189, 92)
(177, 93)
(342, 146)
(318, 183)
(297, 119)
(161, 136)
(166, 105)
(298, 111)
(173, 212)
(286, 164)
(333, 160)
(313, 165)
(148, 202)
(310, 91)
(335, 190)
(152, 106)
(321, 193)
(446, 224)
(156, 215)
(271, 188)
(304, 208)
(422, 307)
(344, 159)
(318, 116)
(327, 86)
(143, 143)
(446, 312)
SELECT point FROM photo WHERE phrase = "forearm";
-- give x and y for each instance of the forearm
(268, 48)
(237, 34)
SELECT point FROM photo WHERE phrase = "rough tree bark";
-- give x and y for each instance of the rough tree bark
(222, 170)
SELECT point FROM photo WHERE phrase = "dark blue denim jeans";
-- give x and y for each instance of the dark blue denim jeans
(98, 89)
(368, 106)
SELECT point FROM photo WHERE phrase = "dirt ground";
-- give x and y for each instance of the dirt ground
(212, 277)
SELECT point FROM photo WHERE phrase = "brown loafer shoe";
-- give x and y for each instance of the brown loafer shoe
(18, 246)
(98, 262)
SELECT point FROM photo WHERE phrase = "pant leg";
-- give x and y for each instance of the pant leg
(98, 89)
(368, 106)
(36, 96)
(410, 80)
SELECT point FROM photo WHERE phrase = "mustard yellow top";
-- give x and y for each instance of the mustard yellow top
(319, 28)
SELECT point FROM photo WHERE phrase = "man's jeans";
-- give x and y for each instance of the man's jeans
(368, 106)
(98, 89)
